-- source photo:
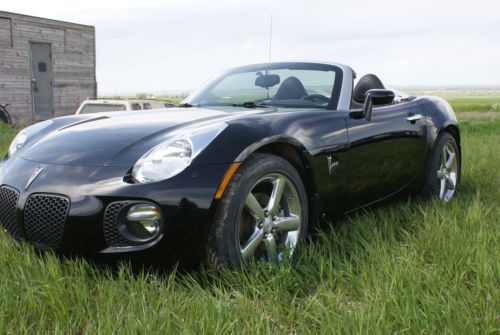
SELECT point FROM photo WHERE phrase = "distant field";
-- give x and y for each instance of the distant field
(143, 96)
(465, 100)
(409, 268)
(475, 104)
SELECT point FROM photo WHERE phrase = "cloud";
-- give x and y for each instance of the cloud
(155, 45)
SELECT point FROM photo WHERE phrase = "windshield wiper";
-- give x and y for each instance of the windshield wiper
(251, 104)
(187, 105)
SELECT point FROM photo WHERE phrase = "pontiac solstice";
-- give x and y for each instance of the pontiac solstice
(238, 171)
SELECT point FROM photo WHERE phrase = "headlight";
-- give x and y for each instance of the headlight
(17, 143)
(21, 138)
(174, 156)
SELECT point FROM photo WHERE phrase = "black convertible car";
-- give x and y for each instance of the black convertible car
(240, 170)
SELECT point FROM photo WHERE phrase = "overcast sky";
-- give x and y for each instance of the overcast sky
(153, 45)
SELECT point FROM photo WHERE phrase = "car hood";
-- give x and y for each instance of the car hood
(118, 139)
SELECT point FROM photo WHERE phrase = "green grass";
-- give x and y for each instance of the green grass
(409, 268)
(6, 136)
(475, 103)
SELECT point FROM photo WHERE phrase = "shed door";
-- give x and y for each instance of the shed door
(41, 83)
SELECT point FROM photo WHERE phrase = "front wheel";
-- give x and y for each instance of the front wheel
(444, 175)
(262, 216)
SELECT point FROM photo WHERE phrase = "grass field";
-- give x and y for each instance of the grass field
(409, 268)
(475, 104)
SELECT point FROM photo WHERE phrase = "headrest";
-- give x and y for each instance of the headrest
(365, 83)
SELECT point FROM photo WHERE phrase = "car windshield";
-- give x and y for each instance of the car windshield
(297, 85)
(98, 108)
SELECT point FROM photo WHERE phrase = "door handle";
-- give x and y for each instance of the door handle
(414, 117)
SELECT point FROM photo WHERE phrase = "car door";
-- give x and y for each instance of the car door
(385, 153)
(327, 135)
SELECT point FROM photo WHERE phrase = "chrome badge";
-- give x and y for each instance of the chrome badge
(332, 165)
(38, 171)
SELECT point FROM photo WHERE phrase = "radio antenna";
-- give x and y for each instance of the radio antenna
(271, 37)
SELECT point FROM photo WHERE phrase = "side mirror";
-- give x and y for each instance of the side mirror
(376, 97)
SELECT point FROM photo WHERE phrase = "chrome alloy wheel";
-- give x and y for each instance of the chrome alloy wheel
(270, 222)
(447, 174)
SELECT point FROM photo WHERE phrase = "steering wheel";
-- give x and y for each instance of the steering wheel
(315, 97)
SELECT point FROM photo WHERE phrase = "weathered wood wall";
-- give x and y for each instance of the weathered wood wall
(73, 63)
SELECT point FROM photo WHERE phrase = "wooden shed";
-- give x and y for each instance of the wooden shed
(47, 67)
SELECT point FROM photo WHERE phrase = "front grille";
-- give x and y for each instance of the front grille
(112, 235)
(8, 206)
(44, 219)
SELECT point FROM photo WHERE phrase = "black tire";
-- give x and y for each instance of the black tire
(4, 116)
(223, 247)
(431, 187)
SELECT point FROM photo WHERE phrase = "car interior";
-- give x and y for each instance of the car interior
(293, 89)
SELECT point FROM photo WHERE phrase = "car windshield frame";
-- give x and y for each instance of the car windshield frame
(197, 96)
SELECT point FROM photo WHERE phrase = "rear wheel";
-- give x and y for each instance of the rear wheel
(444, 175)
(262, 216)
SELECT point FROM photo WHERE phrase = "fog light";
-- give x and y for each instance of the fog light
(144, 222)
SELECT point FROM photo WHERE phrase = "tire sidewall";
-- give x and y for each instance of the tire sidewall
(430, 188)
(228, 214)
(4, 116)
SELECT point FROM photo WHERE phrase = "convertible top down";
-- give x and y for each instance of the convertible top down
(239, 171)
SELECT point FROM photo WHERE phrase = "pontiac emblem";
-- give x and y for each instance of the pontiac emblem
(38, 171)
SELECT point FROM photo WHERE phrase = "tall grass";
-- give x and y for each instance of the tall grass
(405, 267)
(6, 135)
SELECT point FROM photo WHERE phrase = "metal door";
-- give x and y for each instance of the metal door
(41, 82)
(387, 152)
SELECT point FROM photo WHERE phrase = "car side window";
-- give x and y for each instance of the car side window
(136, 106)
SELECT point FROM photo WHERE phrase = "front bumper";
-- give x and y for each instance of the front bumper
(64, 207)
